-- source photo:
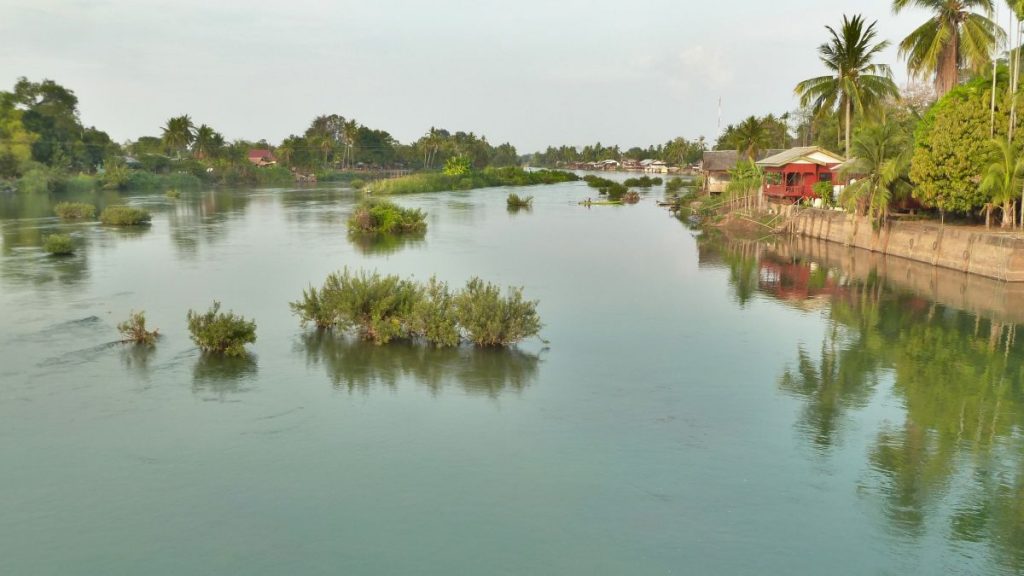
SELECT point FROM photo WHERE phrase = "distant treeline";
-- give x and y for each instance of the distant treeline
(676, 152)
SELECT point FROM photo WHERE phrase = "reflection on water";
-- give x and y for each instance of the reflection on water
(215, 376)
(954, 462)
(356, 365)
(384, 244)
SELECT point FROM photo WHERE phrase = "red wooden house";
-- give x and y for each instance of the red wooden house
(790, 175)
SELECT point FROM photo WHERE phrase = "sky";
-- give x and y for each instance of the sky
(530, 72)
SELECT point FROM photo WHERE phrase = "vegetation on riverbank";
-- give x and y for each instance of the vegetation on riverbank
(381, 309)
(469, 180)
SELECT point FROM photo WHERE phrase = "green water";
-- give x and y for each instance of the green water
(704, 407)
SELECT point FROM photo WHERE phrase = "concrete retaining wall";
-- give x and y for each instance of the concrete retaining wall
(989, 253)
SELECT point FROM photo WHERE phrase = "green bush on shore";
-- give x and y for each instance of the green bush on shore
(379, 216)
(221, 332)
(74, 210)
(59, 245)
(486, 178)
(124, 216)
(385, 308)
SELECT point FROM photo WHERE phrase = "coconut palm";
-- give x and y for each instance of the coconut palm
(954, 38)
(178, 133)
(206, 141)
(1003, 178)
(854, 83)
(880, 164)
(753, 135)
(350, 131)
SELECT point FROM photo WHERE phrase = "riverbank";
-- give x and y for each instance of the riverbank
(988, 253)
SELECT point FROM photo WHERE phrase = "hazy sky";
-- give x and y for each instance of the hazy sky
(530, 72)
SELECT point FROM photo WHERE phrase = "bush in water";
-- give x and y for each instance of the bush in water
(134, 330)
(219, 332)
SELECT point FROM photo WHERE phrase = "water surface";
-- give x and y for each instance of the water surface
(704, 406)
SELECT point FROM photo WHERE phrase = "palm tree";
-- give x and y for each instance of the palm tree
(752, 135)
(178, 133)
(881, 163)
(206, 141)
(350, 130)
(1003, 178)
(855, 82)
(953, 39)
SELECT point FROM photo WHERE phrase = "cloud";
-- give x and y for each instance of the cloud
(704, 68)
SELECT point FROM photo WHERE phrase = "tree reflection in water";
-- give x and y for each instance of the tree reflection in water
(216, 376)
(954, 463)
(355, 365)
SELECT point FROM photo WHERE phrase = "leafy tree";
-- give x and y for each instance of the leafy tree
(456, 166)
(954, 38)
(207, 142)
(952, 147)
(854, 83)
(15, 141)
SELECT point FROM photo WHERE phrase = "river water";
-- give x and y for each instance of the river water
(704, 406)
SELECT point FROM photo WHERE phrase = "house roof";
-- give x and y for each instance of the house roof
(725, 160)
(803, 154)
(260, 153)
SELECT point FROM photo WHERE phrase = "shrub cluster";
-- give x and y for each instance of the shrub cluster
(220, 332)
(74, 210)
(124, 216)
(59, 245)
(675, 185)
(515, 201)
(613, 190)
(486, 178)
(377, 216)
(631, 197)
(134, 330)
(385, 308)
(642, 182)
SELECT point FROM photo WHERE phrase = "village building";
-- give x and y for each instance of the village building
(717, 165)
(656, 167)
(790, 175)
(262, 157)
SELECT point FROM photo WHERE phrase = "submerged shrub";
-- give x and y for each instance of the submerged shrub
(124, 216)
(433, 315)
(376, 216)
(173, 193)
(134, 330)
(675, 185)
(516, 202)
(386, 308)
(74, 210)
(491, 319)
(220, 332)
(357, 183)
(59, 245)
(631, 197)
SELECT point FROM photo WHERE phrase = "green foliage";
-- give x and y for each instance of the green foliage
(746, 178)
(952, 147)
(379, 216)
(880, 163)
(124, 216)
(613, 190)
(642, 182)
(115, 175)
(219, 332)
(457, 166)
(381, 309)
(133, 330)
(631, 197)
(59, 245)
(486, 178)
(675, 185)
(40, 180)
(434, 317)
(74, 210)
(824, 190)
(173, 193)
(517, 202)
(357, 183)
(756, 133)
(490, 319)
(79, 184)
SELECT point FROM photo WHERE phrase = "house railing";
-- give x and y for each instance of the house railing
(784, 191)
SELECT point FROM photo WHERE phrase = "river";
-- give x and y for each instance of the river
(702, 406)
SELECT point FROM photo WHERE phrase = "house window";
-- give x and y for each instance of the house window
(826, 177)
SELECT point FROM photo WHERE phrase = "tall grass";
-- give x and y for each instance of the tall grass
(486, 178)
